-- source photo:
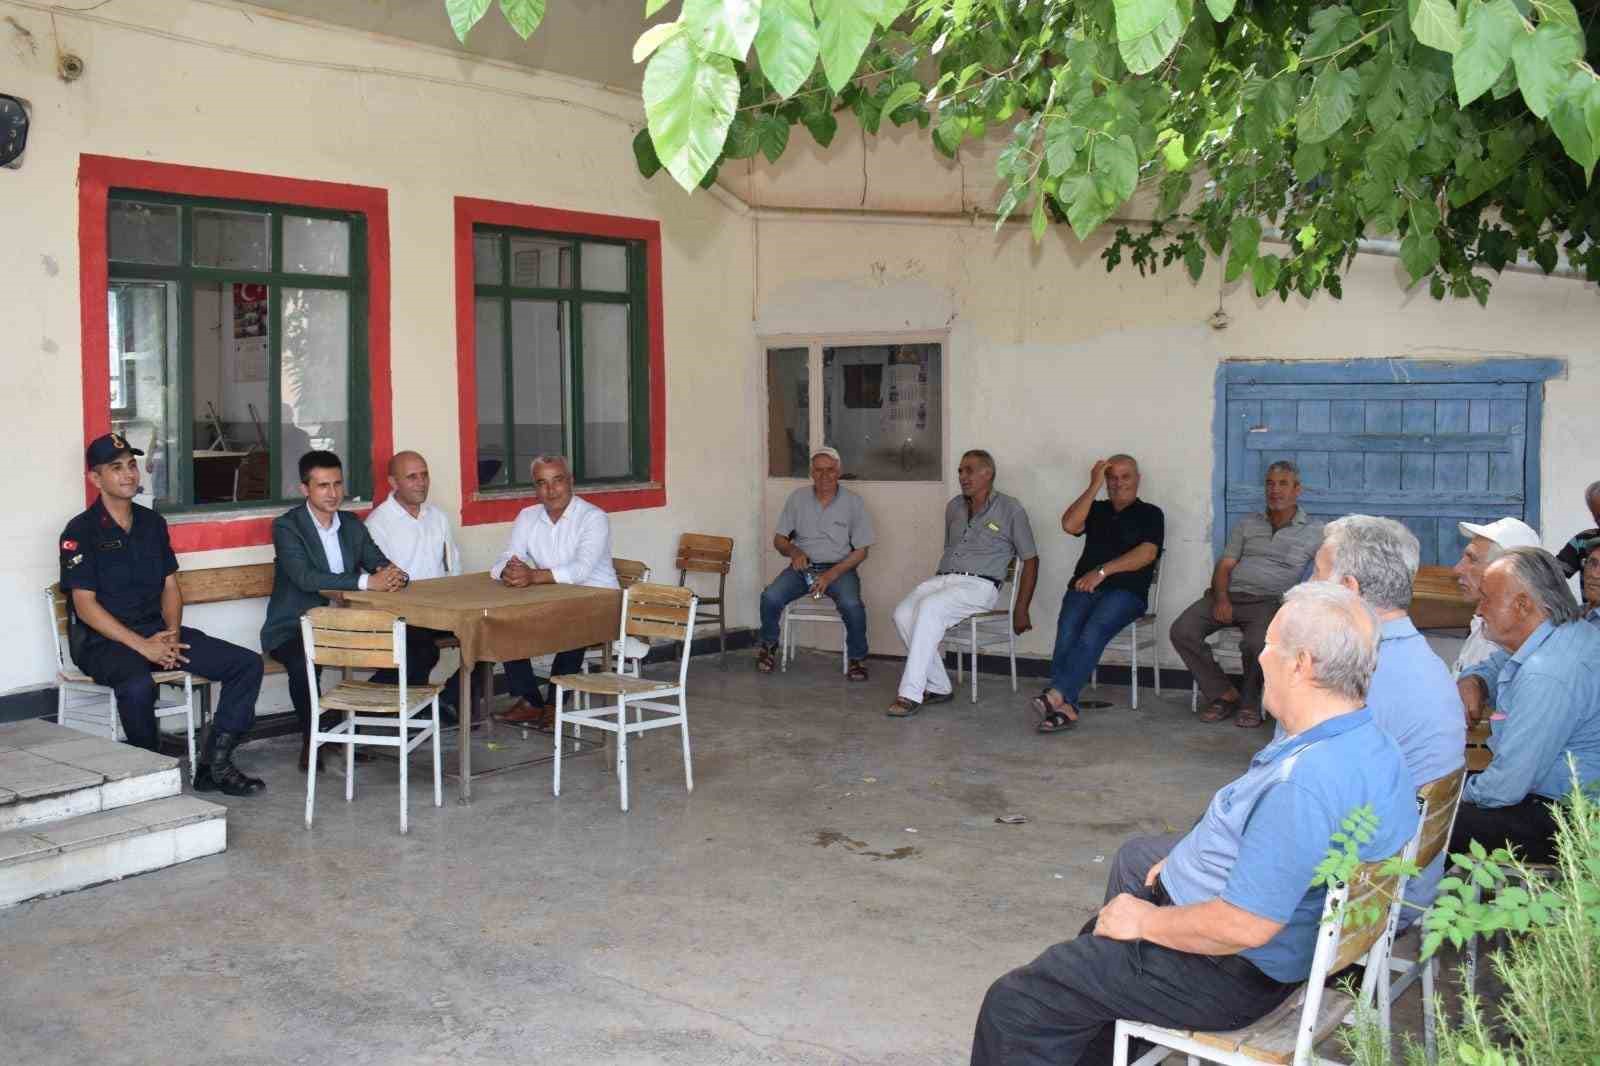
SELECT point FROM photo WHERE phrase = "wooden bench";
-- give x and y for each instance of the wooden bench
(1437, 602)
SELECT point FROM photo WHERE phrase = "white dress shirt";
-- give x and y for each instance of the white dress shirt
(576, 550)
(1475, 649)
(423, 546)
(329, 536)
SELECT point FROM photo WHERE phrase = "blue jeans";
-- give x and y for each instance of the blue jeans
(1088, 622)
(845, 593)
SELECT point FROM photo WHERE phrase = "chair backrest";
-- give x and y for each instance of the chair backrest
(221, 584)
(661, 611)
(1154, 605)
(56, 603)
(250, 481)
(1478, 754)
(1441, 799)
(1366, 886)
(704, 553)
(1011, 579)
(352, 636)
(630, 572)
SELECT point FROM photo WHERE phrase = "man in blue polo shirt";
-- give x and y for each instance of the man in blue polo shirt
(1214, 929)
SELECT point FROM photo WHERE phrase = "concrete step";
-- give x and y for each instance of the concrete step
(48, 772)
(75, 853)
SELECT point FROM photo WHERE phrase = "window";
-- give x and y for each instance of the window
(880, 404)
(559, 349)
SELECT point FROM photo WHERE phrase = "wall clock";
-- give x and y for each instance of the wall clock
(13, 129)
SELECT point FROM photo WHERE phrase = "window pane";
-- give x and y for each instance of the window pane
(142, 233)
(231, 333)
(486, 260)
(540, 345)
(231, 239)
(316, 246)
(788, 412)
(605, 267)
(491, 370)
(607, 429)
(881, 406)
(144, 355)
(540, 263)
(314, 383)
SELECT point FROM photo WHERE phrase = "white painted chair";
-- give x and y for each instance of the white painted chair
(367, 640)
(629, 652)
(808, 611)
(1143, 632)
(1227, 647)
(83, 705)
(648, 610)
(986, 629)
(1289, 1033)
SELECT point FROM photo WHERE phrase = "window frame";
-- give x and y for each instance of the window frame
(232, 525)
(501, 503)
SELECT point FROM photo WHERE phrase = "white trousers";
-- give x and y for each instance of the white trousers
(922, 618)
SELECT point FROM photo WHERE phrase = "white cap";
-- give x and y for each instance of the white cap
(1506, 532)
(831, 453)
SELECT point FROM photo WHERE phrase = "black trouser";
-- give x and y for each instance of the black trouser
(422, 655)
(1061, 1008)
(521, 681)
(127, 673)
(1529, 826)
(292, 654)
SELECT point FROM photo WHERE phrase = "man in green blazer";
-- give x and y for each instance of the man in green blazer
(318, 547)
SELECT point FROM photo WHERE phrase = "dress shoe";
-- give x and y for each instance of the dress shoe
(526, 713)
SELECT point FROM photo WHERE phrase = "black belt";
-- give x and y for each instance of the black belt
(996, 582)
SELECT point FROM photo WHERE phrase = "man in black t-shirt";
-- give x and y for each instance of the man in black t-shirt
(1110, 587)
(1576, 550)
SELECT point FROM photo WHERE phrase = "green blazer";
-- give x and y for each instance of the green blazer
(301, 569)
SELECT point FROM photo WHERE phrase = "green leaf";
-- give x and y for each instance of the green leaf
(1560, 12)
(1220, 9)
(1543, 60)
(743, 137)
(1265, 276)
(464, 14)
(901, 95)
(644, 154)
(1424, 216)
(724, 27)
(689, 101)
(1147, 30)
(1008, 203)
(772, 134)
(890, 11)
(1569, 118)
(654, 38)
(822, 126)
(1244, 240)
(786, 44)
(844, 30)
(1116, 168)
(524, 15)
(1060, 151)
(652, 6)
(1085, 208)
(1309, 161)
(1194, 257)
(1041, 218)
(1485, 47)
(1331, 28)
(1436, 24)
(1329, 106)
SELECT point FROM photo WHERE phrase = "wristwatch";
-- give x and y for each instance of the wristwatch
(1101, 572)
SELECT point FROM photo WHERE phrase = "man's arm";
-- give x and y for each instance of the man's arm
(1077, 512)
(161, 649)
(798, 560)
(594, 544)
(1136, 559)
(172, 603)
(1526, 741)
(838, 570)
(1221, 605)
(371, 557)
(1210, 928)
(294, 563)
(1027, 578)
(516, 548)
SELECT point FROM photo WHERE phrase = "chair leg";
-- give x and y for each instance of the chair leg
(622, 748)
(784, 639)
(311, 772)
(438, 776)
(1011, 650)
(1135, 673)
(188, 723)
(350, 756)
(1429, 1040)
(555, 783)
(1194, 697)
(683, 726)
(1094, 678)
(405, 768)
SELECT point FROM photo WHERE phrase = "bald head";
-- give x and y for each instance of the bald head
(408, 480)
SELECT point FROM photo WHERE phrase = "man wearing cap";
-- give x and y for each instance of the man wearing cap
(1485, 544)
(125, 619)
(824, 522)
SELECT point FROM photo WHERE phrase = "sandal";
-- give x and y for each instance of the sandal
(766, 661)
(1041, 706)
(1055, 722)
(1220, 710)
(930, 698)
(857, 671)
(903, 708)
(1249, 718)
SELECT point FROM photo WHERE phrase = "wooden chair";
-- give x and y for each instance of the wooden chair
(702, 553)
(251, 480)
(1478, 753)
(1440, 800)
(1130, 640)
(631, 651)
(83, 705)
(647, 611)
(986, 629)
(366, 640)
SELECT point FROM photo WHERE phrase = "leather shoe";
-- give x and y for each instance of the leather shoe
(527, 713)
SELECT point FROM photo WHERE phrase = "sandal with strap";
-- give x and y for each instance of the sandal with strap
(857, 671)
(1055, 722)
(766, 659)
(1249, 718)
(1220, 711)
(1041, 706)
(902, 708)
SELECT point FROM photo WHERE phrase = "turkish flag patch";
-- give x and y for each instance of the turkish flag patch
(69, 545)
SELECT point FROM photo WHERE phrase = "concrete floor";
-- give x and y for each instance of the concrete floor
(836, 890)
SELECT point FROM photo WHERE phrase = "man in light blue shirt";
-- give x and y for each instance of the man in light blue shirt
(1214, 930)
(1544, 686)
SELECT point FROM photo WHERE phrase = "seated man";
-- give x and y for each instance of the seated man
(1486, 543)
(563, 539)
(1213, 929)
(826, 521)
(1591, 588)
(1412, 696)
(1544, 687)
(1110, 587)
(416, 535)
(317, 547)
(1577, 549)
(1264, 557)
(125, 613)
(983, 531)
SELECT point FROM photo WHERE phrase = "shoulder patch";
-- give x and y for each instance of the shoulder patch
(69, 545)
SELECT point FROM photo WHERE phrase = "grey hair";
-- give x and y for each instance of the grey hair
(1592, 491)
(1284, 466)
(1380, 553)
(549, 460)
(1542, 579)
(982, 456)
(1338, 630)
(1123, 457)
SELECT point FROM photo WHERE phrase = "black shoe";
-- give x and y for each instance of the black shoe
(448, 714)
(218, 773)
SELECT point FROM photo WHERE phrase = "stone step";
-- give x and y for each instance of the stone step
(47, 860)
(48, 772)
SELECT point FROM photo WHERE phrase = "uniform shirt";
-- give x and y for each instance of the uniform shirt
(826, 534)
(576, 550)
(1270, 561)
(986, 542)
(1572, 555)
(423, 546)
(1109, 533)
(1475, 649)
(126, 570)
(1549, 695)
(1263, 836)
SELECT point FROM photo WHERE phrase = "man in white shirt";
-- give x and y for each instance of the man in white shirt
(562, 540)
(1486, 543)
(416, 535)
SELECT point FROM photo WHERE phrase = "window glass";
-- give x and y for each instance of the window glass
(788, 412)
(232, 240)
(881, 408)
(486, 267)
(493, 469)
(143, 233)
(314, 382)
(540, 333)
(144, 348)
(540, 263)
(607, 429)
(605, 267)
(231, 338)
(316, 246)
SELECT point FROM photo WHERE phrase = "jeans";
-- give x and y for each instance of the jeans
(128, 674)
(1088, 622)
(845, 593)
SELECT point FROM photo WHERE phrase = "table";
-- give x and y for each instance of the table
(495, 623)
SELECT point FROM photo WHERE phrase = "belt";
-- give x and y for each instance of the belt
(996, 582)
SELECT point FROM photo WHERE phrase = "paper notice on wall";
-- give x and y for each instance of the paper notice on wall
(250, 311)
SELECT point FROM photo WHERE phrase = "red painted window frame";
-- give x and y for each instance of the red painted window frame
(485, 508)
(98, 175)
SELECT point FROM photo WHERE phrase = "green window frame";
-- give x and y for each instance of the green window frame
(571, 299)
(185, 275)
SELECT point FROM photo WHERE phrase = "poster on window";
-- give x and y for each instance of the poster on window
(249, 332)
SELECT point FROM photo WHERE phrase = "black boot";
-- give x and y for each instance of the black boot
(219, 773)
